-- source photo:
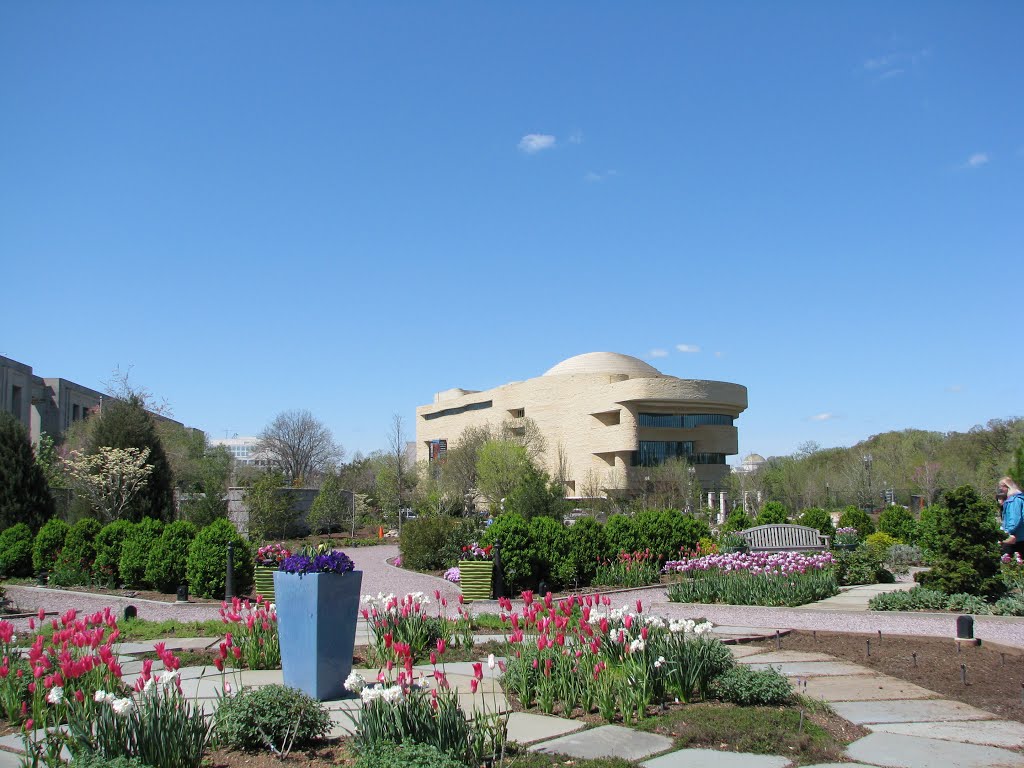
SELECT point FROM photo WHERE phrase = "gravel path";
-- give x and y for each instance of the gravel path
(379, 577)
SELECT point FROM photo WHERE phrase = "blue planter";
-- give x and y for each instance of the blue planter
(316, 622)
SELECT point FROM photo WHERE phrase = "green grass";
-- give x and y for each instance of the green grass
(488, 621)
(139, 630)
(760, 730)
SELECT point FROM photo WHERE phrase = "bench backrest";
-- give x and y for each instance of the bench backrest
(780, 537)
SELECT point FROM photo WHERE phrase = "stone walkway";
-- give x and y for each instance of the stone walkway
(911, 727)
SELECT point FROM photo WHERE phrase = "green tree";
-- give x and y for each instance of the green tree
(16, 551)
(502, 466)
(48, 543)
(208, 560)
(898, 523)
(126, 424)
(271, 512)
(332, 507)
(773, 512)
(165, 567)
(587, 545)
(536, 496)
(816, 517)
(24, 493)
(737, 521)
(135, 549)
(1016, 470)
(855, 517)
(550, 542)
(108, 550)
(962, 539)
(518, 559)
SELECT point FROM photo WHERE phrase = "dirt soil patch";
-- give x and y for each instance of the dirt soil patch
(995, 675)
(332, 753)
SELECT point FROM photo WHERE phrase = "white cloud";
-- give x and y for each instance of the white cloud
(532, 143)
(658, 353)
(719, 354)
(895, 63)
(955, 388)
(687, 347)
(595, 176)
(977, 160)
(822, 416)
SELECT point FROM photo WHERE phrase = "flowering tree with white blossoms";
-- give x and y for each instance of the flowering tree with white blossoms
(111, 477)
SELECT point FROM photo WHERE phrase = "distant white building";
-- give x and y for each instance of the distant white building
(243, 450)
(751, 463)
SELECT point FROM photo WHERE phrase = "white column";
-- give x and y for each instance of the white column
(721, 506)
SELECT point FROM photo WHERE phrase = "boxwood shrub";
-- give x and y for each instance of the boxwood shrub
(518, 558)
(77, 557)
(165, 567)
(208, 558)
(135, 551)
(108, 551)
(16, 551)
(48, 544)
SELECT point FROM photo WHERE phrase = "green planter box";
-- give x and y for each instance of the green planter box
(475, 578)
(264, 578)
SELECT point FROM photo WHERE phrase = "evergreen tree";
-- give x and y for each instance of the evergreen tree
(24, 493)
(1017, 467)
(125, 424)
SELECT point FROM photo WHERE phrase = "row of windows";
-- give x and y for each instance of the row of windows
(683, 420)
(654, 452)
(456, 411)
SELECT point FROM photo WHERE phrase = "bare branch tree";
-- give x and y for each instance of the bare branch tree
(301, 446)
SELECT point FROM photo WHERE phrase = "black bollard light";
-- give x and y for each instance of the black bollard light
(130, 612)
(229, 577)
(183, 593)
(965, 627)
(41, 578)
(498, 580)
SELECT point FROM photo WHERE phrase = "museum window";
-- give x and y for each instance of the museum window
(652, 453)
(683, 420)
(461, 409)
(517, 413)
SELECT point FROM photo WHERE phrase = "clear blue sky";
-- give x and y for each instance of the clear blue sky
(346, 207)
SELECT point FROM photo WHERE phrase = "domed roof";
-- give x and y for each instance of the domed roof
(753, 458)
(604, 362)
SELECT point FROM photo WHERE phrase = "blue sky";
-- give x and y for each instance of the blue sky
(346, 207)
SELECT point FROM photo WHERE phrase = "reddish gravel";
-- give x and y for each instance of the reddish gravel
(379, 576)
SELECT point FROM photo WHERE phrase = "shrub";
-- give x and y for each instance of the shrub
(861, 566)
(880, 543)
(517, 555)
(135, 551)
(737, 521)
(854, 517)
(264, 718)
(773, 512)
(108, 551)
(963, 546)
(96, 760)
(165, 567)
(433, 542)
(749, 687)
(48, 544)
(916, 599)
(654, 531)
(900, 557)
(620, 535)
(16, 551)
(208, 560)
(898, 523)
(964, 603)
(587, 544)
(409, 754)
(1011, 605)
(816, 517)
(77, 558)
(550, 545)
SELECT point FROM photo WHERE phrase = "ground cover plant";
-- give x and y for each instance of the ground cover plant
(760, 578)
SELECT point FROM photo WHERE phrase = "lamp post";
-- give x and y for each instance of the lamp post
(867, 468)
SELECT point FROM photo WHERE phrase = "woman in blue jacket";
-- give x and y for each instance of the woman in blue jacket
(1013, 517)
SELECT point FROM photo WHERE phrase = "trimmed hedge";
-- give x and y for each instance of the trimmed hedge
(16, 551)
(48, 544)
(108, 551)
(208, 558)
(165, 567)
(135, 551)
(77, 557)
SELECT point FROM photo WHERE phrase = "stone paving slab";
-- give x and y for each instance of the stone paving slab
(814, 668)
(461, 668)
(899, 751)
(859, 688)
(994, 733)
(786, 657)
(743, 651)
(9, 760)
(606, 741)
(701, 758)
(525, 728)
(867, 712)
(726, 631)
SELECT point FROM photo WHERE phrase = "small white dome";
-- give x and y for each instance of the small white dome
(604, 362)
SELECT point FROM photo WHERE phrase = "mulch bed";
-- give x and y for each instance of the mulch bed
(995, 675)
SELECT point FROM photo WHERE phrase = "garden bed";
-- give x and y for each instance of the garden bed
(995, 675)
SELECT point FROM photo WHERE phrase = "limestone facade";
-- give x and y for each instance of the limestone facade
(610, 414)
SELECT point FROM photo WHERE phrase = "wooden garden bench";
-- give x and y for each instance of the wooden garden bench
(785, 538)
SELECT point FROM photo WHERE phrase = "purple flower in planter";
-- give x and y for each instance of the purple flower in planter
(334, 561)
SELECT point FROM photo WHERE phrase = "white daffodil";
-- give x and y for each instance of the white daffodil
(122, 706)
(56, 695)
(355, 682)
